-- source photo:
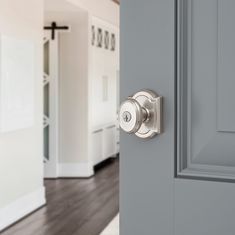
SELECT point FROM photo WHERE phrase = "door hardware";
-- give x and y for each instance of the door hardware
(141, 114)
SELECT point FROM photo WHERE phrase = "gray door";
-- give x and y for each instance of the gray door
(181, 182)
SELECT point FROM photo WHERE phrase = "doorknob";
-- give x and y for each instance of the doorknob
(141, 114)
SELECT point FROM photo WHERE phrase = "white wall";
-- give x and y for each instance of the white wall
(103, 9)
(73, 89)
(21, 157)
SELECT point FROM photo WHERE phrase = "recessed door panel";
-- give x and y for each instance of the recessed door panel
(205, 88)
(226, 65)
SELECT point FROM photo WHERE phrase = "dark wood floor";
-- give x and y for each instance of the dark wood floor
(75, 206)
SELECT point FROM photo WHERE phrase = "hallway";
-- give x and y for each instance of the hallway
(75, 206)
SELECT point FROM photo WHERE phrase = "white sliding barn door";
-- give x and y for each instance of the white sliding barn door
(50, 105)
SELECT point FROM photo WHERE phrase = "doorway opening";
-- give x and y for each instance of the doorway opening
(81, 93)
(81, 90)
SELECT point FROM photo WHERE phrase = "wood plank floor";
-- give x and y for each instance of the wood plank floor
(75, 206)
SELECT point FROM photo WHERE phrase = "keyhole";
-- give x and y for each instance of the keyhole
(126, 116)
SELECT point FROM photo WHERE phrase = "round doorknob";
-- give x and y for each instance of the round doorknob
(132, 115)
(141, 114)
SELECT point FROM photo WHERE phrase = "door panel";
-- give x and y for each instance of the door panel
(147, 166)
(226, 64)
(110, 141)
(97, 146)
(204, 207)
(206, 114)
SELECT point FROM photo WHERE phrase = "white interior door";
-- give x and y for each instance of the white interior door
(50, 107)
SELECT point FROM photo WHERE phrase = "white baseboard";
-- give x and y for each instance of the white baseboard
(77, 170)
(21, 207)
(51, 170)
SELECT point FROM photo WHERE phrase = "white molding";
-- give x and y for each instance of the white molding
(76, 170)
(21, 207)
(51, 170)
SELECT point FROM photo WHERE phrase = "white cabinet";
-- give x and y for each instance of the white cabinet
(117, 139)
(109, 141)
(104, 143)
(96, 147)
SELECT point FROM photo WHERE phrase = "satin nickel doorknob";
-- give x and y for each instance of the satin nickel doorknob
(141, 114)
